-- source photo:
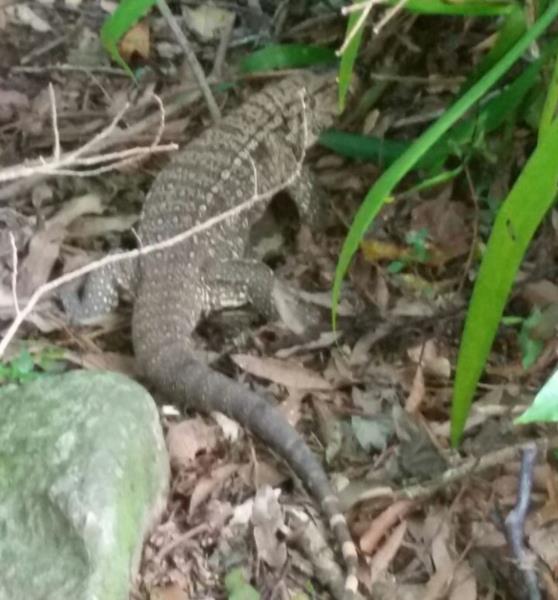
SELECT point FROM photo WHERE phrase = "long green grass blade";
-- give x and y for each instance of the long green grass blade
(527, 203)
(466, 8)
(348, 59)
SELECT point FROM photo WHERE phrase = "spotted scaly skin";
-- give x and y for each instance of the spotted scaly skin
(259, 145)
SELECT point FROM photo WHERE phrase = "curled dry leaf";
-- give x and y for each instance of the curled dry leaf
(540, 293)
(384, 557)
(22, 14)
(168, 592)
(416, 395)
(10, 101)
(185, 440)
(445, 222)
(207, 20)
(231, 429)
(370, 539)
(207, 485)
(432, 363)
(44, 247)
(287, 373)
(136, 41)
(267, 518)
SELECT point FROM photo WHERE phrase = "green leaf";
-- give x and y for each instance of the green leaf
(396, 266)
(126, 15)
(545, 405)
(348, 58)
(384, 186)
(363, 147)
(469, 8)
(287, 56)
(531, 347)
(23, 364)
(237, 586)
(521, 213)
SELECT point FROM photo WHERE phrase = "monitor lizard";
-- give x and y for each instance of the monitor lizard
(252, 151)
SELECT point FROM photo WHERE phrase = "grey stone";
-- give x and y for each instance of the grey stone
(84, 474)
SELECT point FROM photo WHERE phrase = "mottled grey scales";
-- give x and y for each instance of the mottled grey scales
(176, 287)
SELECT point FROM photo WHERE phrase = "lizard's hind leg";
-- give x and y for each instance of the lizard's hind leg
(237, 282)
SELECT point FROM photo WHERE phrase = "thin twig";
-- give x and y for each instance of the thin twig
(14, 272)
(191, 58)
(515, 522)
(59, 165)
(54, 117)
(116, 137)
(472, 465)
(83, 69)
(388, 16)
(366, 8)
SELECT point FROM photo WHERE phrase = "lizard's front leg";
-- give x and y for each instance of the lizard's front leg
(309, 198)
(96, 295)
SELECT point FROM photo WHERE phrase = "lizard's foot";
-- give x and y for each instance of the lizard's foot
(298, 315)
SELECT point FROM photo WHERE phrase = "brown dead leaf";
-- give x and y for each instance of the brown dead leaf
(44, 247)
(433, 364)
(185, 440)
(267, 518)
(330, 429)
(382, 560)
(285, 373)
(36, 267)
(136, 41)
(207, 485)
(437, 529)
(13, 98)
(445, 222)
(168, 592)
(10, 101)
(416, 395)
(544, 541)
(106, 361)
(370, 539)
(263, 473)
(540, 293)
(464, 586)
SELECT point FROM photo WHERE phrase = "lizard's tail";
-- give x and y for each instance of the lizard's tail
(207, 390)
